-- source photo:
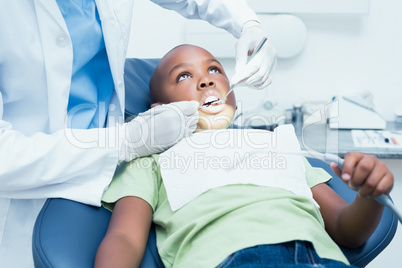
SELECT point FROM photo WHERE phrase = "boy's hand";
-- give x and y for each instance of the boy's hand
(365, 174)
(157, 129)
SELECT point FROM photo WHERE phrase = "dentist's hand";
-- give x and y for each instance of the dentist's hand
(157, 129)
(257, 72)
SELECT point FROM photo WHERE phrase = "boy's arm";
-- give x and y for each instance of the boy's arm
(350, 225)
(127, 234)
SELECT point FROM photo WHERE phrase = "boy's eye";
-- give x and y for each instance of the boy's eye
(182, 76)
(214, 70)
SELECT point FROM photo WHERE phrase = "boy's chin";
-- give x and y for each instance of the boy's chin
(201, 126)
(221, 120)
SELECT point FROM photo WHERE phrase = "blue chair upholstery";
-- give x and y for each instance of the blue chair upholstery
(137, 73)
(67, 233)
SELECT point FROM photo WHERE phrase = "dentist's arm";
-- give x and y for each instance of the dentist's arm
(55, 165)
(79, 163)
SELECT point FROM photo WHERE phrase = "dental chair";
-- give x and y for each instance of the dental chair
(67, 233)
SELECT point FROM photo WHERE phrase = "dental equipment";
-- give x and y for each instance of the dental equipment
(256, 50)
(329, 158)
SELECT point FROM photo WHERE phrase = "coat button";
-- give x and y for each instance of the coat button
(62, 40)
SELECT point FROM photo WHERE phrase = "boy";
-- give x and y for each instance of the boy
(236, 224)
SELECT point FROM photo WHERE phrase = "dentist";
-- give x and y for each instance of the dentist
(62, 102)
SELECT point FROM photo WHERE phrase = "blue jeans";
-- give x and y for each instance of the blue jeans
(289, 254)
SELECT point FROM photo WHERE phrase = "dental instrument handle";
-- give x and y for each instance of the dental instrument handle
(256, 50)
(382, 199)
(329, 158)
(227, 94)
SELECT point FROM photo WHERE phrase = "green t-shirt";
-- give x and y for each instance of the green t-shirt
(223, 220)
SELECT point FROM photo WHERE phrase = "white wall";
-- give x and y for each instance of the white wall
(344, 54)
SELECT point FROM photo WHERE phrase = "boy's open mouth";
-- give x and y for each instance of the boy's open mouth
(210, 101)
(211, 97)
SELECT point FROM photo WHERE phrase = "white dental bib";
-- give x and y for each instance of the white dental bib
(215, 158)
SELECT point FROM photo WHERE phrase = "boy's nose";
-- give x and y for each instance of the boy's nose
(206, 84)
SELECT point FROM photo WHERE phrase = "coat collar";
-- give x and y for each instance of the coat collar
(52, 8)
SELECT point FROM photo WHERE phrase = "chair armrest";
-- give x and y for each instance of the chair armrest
(68, 234)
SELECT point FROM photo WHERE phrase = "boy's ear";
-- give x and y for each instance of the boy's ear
(155, 104)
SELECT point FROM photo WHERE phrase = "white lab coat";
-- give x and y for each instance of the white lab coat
(39, 158)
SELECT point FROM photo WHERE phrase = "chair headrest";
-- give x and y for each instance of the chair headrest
(137, 73)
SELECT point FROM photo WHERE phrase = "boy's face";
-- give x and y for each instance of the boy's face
(192, 73)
